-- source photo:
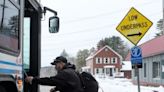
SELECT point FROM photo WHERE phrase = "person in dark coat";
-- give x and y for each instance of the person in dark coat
(66, 79)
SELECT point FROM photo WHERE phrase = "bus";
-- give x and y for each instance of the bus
(20, 42)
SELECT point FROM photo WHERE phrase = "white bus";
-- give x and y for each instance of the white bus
(20, 42)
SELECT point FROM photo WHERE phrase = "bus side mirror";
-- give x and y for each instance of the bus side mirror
(53, 24)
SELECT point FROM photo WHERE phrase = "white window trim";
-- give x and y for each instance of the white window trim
(115, 60)
(108, 60)
(105, 60)
(100, 60)
(97, 60)
(157, 77)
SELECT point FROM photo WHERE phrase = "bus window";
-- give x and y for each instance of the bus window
(26, 43)
(9, 28)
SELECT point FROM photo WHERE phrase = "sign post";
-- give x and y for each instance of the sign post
(134, 26)
(136, 60)
(138, 77)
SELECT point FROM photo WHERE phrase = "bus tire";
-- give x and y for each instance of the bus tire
(2, 89)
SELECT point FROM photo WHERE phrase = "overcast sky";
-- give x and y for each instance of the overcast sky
(84, 22)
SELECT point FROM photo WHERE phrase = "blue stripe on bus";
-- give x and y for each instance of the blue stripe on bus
(7, 71)
(9, 63)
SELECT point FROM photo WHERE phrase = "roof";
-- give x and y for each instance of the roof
(98, 51)
(151, 47)
(126, 66)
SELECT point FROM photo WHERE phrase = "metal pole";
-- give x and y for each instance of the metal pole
(138, 79)
(163, 17)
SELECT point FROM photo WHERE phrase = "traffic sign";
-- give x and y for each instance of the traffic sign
(136, 56)
(134, 26)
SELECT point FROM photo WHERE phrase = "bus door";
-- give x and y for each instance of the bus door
(31, 42)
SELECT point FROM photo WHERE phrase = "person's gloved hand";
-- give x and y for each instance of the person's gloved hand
(52, 90)
(29, 79)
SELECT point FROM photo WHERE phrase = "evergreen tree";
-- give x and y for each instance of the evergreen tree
(81, 56)
(64, 54)
(69, 58)
(116, 44)
(92, 50)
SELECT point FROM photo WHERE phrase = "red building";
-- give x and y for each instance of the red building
(104, 61)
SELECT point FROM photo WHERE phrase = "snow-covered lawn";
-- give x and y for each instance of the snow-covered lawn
(123, 85)
(117, 85)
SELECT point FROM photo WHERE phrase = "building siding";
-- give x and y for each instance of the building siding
(149, 80)
(127, 74)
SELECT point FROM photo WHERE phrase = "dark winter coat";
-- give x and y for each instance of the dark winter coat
(65, 81)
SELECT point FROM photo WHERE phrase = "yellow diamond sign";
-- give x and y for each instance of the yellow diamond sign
(134, 26)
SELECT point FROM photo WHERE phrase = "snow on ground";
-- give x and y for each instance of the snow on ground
(123, 85)
(116, 85)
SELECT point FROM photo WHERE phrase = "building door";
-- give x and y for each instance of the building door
(110, 71)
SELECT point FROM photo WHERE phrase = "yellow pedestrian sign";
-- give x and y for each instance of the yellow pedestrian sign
(134, 26)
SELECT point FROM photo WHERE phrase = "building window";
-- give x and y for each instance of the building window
(97, 70)
(103, 70)
(107, 70)
(114, 60)
(98, 60)
(106, 60)
(144, 69)
(156, 69)
(9, 27)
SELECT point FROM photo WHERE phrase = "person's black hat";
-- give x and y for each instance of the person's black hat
(59, 59)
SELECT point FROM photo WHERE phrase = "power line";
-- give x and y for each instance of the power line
(106, 14)
(100, 15)
(86, 41)
(96, 29)
(100, 27)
